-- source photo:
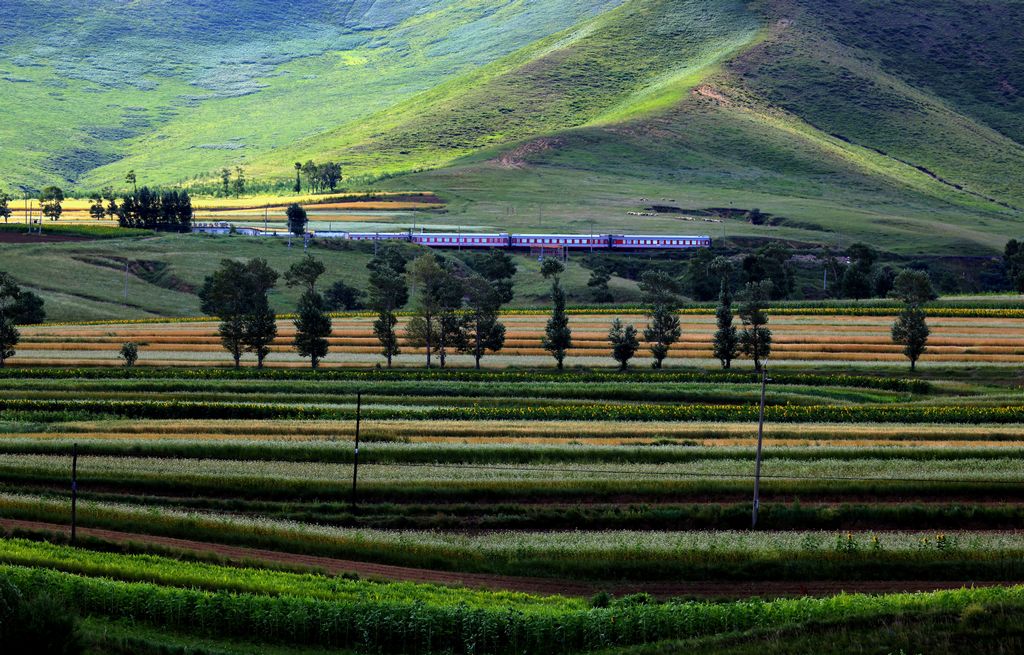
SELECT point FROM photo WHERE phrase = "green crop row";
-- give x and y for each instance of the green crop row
(144, 409)
(720, 555)
(369, 625)
(458, 375)
(341, 452)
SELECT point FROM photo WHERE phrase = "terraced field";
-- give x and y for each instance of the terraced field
(492, 511)
(797, 338)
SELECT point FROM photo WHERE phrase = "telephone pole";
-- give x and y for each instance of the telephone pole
(760, 439)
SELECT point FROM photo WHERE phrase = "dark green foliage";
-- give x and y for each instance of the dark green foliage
(5, 206)
(259, 328)
(1013, 258)
(911, 331)
(755, 338)
(389, 255)
(770, 263)
(312, 327)
(129, 353)
(697, 282)
(342, 296)
(913, 287)
(624, 343)
(482, 332)
(436, 326)
(166, 211)
(19, 306)
(320, 177)
(9, 338)
(96, 209)
(297, 219)
(237, 294)
(726, 341)
(35, 623)
(557, 334)
(305, 273)
(50, 200)
(388, 292)
(661, 332)
(499, 268)
(598, 282)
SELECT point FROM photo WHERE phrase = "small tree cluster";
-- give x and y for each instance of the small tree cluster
(236, 293)
(320, 177)
(164, 210)
(297, 219)
(388, 293)
(50, 200)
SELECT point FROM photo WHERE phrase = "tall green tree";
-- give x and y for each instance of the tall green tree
(726, 341)
(598, 282)
(20, 306)
(1013, 260)
(298, 177)
(498, 268)
(225, 180)
(343, 296)
(132, 179)
(312, 327)
(9, 338)
(911, 329)
(660, 293)
(5, 206)
(696, 282)
(428, 278)
(624, 342)
(96, 209)
(913, 287)
(771, 262)
(239, 184)
(50, 200)
(297, 219)
(304, 273)
(755, 338)
(557, 334)
(388, 293)
(259, 329)
(482, 331)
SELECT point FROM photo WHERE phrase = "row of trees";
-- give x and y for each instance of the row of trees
(17, 307)
(151, 209)
(237, 293)
(754, 340)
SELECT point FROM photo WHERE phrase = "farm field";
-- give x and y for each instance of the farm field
(831, 339)
(503, 506)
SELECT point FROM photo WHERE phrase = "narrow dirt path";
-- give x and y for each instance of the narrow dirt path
(542, 586)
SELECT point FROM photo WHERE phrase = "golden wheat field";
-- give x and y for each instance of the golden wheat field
(797, 338)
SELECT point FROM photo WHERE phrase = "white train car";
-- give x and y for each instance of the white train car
(378, 236)
(459, 240)
(658, 242)
(567, 241)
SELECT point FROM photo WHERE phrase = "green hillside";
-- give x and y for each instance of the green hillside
(91, 89)
(898, 122)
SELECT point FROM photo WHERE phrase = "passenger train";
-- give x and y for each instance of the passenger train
(471, 240)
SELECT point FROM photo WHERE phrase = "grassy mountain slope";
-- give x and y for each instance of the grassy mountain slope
(840, 135)
(89, 90)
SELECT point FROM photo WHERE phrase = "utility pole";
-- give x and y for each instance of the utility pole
(266, 210)
(760, 439)
(74, 493)
(355, 461)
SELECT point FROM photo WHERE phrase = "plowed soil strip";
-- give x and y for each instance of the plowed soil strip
(542, 586)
